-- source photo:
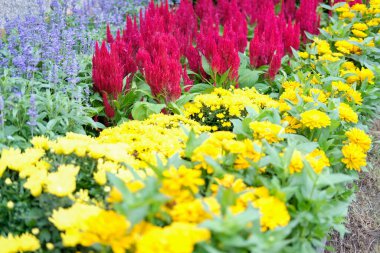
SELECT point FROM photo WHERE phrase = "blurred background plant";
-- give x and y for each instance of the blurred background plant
(45, 68)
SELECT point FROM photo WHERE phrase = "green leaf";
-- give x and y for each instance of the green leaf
(142, 110)
(206, 66)
(193, 142)
(248, 78)
(202, 88)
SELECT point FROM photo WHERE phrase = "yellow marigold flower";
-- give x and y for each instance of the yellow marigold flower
(355, 96)
(267, 130)
(115, 196)
(229, 181)
(247, 151)
(343, 46)
(353, 156)
(195, 211)
(319, 94)
(291, 85)
(344, 8)
(296, 163)
(303, 55)
(175, 238)
(291, 95)
(323, 47)
(359, 34)
(373, 22)
(360, 26)
(340, 86)
(107, 228)
(347, 114)
(359, 8)
(315, 119)
(293, 124)
(177, 180)
(273, 213)
(371, 43)
(347, 14)
(317, 160)
(348, 65)
(328, 57)
(366, 74)
(360, 138)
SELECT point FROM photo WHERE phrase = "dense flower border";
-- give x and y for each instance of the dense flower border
(239, 171)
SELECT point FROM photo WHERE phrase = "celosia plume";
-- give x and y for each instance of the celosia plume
(308, 17)
(107, 74)
(160, 64)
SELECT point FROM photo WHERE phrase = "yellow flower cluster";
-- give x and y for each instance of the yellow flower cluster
(192, 173)
(355, 151)
(87, 225)
(217, 108)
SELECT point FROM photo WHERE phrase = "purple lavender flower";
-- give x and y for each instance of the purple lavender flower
(1, 110)
(51, 37)
(32, 112)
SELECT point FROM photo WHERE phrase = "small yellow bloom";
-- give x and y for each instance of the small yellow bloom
(50, 246)
(35, 231)
(10, 205)
(8, 181)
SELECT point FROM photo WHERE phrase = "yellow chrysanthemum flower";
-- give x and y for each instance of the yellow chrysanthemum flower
(360, 138)
(296, 163)
(23, 243)
(178, 237)
(273, 213)
(267, 130)
(318, 160)
(347, 114)
(315, 119)
(353, 157)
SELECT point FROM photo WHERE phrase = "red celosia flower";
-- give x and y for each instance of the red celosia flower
(220, 51)
(350, 2)
(160, 64)
(186, 80)
(132, 36)
(234, 22)
(308, 17)
(186, 27)
(289, 9)
(107, 74)
(109, 35)
(205, 8)
(267, 46)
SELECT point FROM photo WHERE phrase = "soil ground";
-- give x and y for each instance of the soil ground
(363, 222)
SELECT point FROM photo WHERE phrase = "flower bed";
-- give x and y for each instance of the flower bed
(251, 160)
